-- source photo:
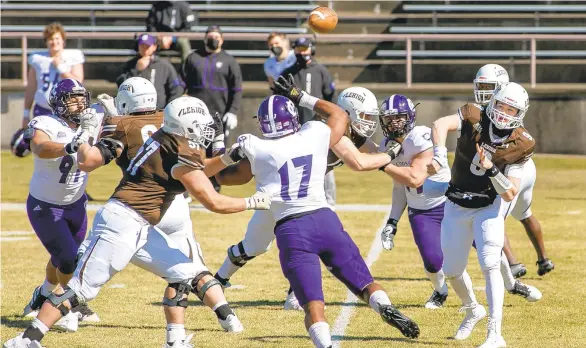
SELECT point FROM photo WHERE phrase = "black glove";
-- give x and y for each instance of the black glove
(388, 234)
(287, 88)
(393, 148)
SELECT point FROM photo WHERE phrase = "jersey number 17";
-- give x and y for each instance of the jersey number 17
(303, 162)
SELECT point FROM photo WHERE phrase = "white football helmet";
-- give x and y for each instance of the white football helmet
(362, 106)
(490, 74)
(190, 118)
(512, 94)
(135, 95)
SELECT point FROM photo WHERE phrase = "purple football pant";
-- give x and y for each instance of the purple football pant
(306, 239)
(61, 229)
(426, 226)
(41, 111)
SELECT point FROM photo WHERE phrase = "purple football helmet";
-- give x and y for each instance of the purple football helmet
(62, 93)
(397, 116)
(277, 117)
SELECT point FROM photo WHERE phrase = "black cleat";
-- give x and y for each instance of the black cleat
(518, 270)
(396, 319)
(436, 300)
(545, 266)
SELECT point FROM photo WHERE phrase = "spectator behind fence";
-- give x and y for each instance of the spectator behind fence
(213, 75)
(159, 71)
(46, 68)
(282, 58)
(171, 16)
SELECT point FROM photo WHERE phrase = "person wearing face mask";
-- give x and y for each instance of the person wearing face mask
(281, 58)
(160, 72)
(313, 77)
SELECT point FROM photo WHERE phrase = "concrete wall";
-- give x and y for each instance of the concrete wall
(559, 126)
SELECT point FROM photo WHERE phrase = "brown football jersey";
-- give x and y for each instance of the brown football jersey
(514, 149)
(147, 185)
(333, 160)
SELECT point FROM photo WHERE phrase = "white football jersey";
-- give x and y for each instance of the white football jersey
(57, 180)
(47, 74)
(417, 141)
(274, 68)
(291, 169)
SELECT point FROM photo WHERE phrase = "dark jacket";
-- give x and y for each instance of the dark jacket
(162, 75)
(215, 79)
(315, 79)
(170, 16)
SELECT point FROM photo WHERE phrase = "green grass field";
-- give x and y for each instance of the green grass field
(131, 314)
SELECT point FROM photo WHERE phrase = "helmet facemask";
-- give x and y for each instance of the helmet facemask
(71, 110)
(503, 120)
(483, 90)
(200, 133)
(395, 125)
(366, 123)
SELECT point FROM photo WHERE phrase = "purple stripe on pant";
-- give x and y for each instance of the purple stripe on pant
(306, 239)
(426, 226)
(61, 229)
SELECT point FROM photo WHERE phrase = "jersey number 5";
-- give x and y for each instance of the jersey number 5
(475, 167)
(303, 162)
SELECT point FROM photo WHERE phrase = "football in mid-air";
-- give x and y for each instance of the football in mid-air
(323, 20)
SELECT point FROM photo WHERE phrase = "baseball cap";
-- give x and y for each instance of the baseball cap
(215, 28)
(303, 42)
(147, 39)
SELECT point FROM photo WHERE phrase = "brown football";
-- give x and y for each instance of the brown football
(323, 20)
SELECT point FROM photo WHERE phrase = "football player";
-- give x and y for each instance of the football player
(355, 149)
(47, 68)
(487, 79)
(409, 172)
(170, 162)
(137, 99)
(290, 163)
(56, 205)
(491, 151)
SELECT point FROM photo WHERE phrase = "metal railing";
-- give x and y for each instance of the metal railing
(330, 38)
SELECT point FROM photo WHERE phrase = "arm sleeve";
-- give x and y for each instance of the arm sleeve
(234, 88)
(266, 66)
(173, 85)
(329, 87)
(399, 201)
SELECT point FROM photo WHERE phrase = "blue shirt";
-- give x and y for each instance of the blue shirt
(274, 68)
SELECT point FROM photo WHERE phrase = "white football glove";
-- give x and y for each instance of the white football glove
(393, 148)
(440, 155)
(387, 236)
(79, 139)
(258, 201)
(230, 121)
(109, 104)
(233, 155)
(88, 121)
(218, 144)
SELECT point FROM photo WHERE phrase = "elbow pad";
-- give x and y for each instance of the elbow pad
(108, 148)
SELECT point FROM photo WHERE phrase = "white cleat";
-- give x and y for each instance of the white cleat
(474, 313)
(68, 323)
(231, 324)
(291, 303)
(86, 314)
(30, 313)
(181, 344)
(529, 292)
(493, 338)
(19, 342)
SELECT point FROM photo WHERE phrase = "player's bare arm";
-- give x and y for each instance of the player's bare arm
(43, 147)
(506, 186)
(90, 158)
(439, 133)
(237, 174)
(414, 175)
(357, 160)
(216, 164)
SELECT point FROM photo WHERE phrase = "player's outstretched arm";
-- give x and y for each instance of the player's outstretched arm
(439, 133)
(213, 166)
(198, 185)
(237, 174)
(414, 175)
(356, 160)
(43, 147)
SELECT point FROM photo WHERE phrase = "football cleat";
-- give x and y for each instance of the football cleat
(181, 344)
(530, 293)
(518, 270)
(493, 338)
(225, 282)
(68, 323)
(474, 313)
(398, 320)
(19, 342)
(436, 300)
(34, 304)
(291, 303)
(545, 266)
(231, 324)
(86, 314)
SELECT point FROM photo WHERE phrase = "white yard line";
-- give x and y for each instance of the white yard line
(343, 318)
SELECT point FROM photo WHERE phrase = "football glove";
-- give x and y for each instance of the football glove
(393, 148)
(80, 138)
(233, 155)
(287, 88)
(108, 103)
(258, 201)
(230, 121)
(388, 234)
(88, 121)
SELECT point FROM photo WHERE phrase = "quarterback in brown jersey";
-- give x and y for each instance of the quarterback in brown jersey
(491, 150)
(171, 161)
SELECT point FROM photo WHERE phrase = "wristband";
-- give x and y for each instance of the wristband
(440, 151)
(499, 181)
(308, 101)
(393, 222)
(68, 148)
(382, 169)
(63, 68)
(26, 114)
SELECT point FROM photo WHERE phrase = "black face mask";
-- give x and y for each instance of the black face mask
(277, 50)
(212, 44)
(302, 59)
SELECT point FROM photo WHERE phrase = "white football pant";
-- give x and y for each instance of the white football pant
(522, 203)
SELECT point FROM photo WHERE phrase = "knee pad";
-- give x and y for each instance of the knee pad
(67, 266)
(182, 288)
(241, 259)
(57, 300)
(206, 286)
